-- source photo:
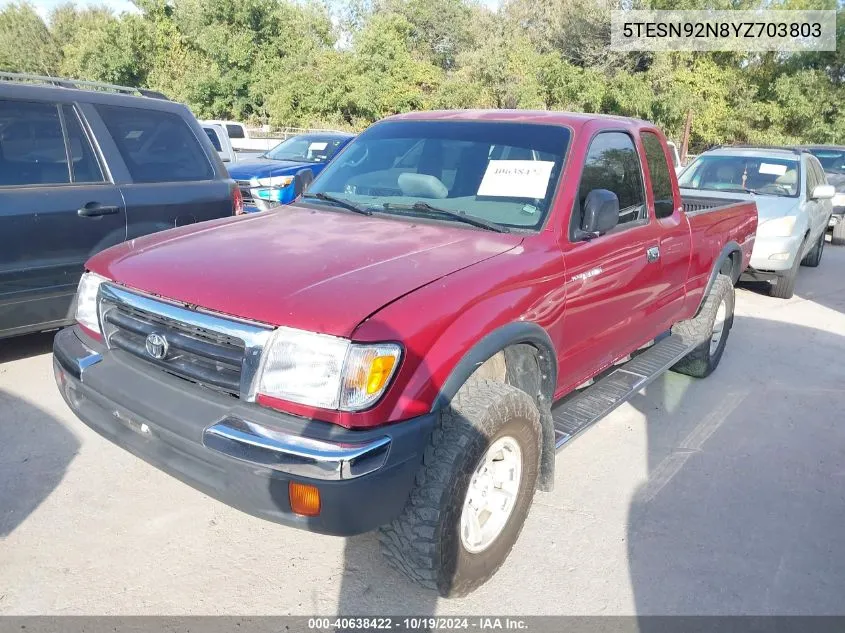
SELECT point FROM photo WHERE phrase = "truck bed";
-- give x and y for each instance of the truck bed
(697, 204)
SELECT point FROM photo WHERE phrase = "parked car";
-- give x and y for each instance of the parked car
(832, 159)
(85, 166)
(220, 141)
(793, 200)
(406, 355)
(267, 181)
(241, 138)
(675, 157)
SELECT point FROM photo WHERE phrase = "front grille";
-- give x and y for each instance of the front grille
(209, 358)
(246, 191)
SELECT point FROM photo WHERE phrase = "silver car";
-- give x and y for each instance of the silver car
(793, 201)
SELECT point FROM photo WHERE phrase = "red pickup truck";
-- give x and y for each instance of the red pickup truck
(454, 298)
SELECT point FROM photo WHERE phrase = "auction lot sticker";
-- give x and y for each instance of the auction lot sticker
(516, 178)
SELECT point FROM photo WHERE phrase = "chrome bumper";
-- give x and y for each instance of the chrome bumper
(295, 454)
(241, 439)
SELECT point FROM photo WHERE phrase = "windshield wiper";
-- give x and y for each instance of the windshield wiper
(742, 190)
(460, 216)
(346, 204)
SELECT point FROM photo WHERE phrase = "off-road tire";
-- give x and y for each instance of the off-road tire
(424, 542)
(838, 233)
(700, 363)
(814, 257)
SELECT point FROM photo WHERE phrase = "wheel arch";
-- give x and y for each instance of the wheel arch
(520, 354)
(729, 262)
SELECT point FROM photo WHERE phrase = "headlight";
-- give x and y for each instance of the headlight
(86, 301)
(779, 227)
(270, 188)
(326, 371)
(839, 200)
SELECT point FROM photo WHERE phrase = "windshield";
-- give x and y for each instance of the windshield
(758, 174)
(832, 160)
(306, 149)
(504, 173)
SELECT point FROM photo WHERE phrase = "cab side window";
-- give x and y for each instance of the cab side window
(661, 181)
(612, 163)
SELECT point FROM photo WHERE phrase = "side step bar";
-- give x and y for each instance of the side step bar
(579, 412)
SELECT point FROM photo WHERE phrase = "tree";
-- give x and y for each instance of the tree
(26, 45)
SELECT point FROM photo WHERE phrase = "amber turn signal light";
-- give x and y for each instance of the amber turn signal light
(380, 370)
(304, 499)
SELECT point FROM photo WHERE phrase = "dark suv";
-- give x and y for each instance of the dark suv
(84, 166)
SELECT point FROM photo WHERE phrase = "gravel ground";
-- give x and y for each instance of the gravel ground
(719, 496)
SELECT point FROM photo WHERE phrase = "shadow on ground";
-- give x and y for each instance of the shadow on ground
(745, 504)
(35, 451)
(815, 284)
(18, 347)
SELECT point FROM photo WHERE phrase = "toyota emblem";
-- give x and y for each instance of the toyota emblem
(157, 346)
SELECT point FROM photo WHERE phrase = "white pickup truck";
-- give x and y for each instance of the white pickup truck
(241, 138)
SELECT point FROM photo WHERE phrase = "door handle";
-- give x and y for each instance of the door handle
(95, 210)
(653, 254)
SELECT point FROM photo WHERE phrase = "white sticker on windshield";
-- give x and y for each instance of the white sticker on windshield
(516, 178)
(314, 146)
(773, 169)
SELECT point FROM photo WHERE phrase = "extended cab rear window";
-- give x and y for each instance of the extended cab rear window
(499, 172)
(156, 146)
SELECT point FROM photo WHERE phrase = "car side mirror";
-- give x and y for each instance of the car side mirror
(601, 213)
(823, 192)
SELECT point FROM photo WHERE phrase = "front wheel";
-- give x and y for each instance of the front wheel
(472, 493)
(784, 286)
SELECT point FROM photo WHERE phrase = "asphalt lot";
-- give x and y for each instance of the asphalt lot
(699, 497)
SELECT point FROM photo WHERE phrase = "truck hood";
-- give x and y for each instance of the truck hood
(265, 167)
(319, 270)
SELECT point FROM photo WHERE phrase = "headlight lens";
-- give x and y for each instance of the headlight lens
(839, 200)
(326, 371)
(86, 301)
(779, 227)
(270, 188)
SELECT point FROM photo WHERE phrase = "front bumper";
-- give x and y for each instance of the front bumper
(775, 253)
(240, 453)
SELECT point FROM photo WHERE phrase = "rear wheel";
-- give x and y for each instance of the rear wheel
(814, 257)
(712, 327)
(839, 233)
(472, 493)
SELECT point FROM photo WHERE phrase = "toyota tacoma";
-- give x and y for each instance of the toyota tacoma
(453, 299)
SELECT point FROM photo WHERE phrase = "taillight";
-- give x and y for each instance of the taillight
(237, 201)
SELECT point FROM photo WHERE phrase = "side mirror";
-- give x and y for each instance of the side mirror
(601, 213)
(823, 192)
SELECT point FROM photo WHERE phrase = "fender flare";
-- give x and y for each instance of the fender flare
(515, 333)
(491, 344)
(727, 251)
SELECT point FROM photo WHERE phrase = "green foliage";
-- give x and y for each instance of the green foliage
(302, 63)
